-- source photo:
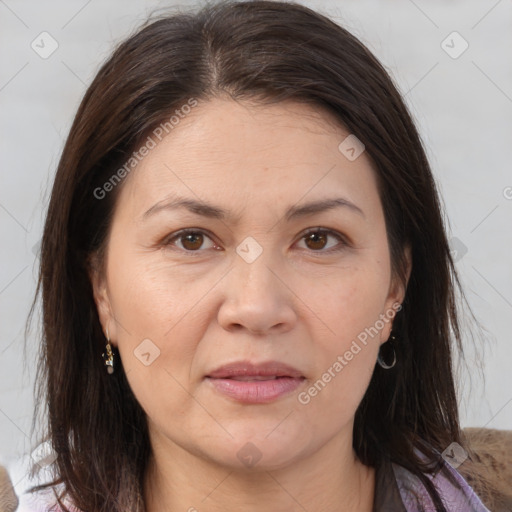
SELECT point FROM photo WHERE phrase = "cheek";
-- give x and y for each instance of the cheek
(346, 341)
(159, 324)
(151, 297)
(344, 361)
(331, 401)
(348, 302)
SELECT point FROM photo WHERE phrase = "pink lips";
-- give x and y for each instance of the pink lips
(255, 383)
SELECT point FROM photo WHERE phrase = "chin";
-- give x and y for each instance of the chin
(255, 453)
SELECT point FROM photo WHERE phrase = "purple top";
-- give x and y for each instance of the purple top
(457, 497)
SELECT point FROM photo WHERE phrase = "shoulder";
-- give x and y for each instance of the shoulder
(488, 468)
(44, 500)
(399, 490)
(41, 501)
(452, 488)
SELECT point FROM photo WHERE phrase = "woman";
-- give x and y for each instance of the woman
(245, 226)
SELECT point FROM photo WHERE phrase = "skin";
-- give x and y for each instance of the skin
(299, 303)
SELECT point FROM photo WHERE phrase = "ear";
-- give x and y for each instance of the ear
(396, 295)
(98, 278)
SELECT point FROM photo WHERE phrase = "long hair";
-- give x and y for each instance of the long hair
(268, 52)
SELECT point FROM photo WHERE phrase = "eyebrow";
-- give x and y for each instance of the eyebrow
(215, 212)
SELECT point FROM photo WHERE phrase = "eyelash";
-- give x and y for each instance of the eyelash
(168, 241)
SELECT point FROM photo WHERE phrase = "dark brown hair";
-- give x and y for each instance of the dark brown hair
(263, 51)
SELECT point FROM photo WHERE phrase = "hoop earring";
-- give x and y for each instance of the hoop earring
(381, 361)
(108, 357)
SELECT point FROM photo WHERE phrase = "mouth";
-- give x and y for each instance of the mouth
(247, 369)
(255, 383)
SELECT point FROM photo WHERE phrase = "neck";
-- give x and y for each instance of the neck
(328, 481)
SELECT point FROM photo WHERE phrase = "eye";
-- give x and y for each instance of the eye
(190, 240)
(317, 239)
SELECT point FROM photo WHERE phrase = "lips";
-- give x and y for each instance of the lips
(245, 370)
(255, 383)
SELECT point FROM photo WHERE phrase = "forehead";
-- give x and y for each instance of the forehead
(246, 153)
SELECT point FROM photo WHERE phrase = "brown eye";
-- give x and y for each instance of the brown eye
(190, 241)
(319, 240)
(316, 240)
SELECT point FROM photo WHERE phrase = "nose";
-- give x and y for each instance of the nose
(257, 299)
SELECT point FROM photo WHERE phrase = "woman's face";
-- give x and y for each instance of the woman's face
(261, 279)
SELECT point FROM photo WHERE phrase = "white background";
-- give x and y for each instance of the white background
(463, 108)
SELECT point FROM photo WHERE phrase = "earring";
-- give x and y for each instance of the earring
(109, 357)
(380, 360)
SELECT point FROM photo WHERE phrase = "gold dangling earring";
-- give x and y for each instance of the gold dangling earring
(109, 357)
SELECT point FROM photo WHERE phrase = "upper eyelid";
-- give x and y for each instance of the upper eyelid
(186, 231)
